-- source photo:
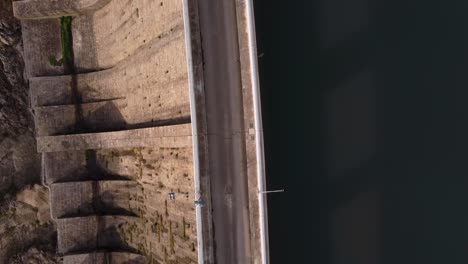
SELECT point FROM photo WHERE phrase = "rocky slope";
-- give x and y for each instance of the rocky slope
(34, 256)
(16, 137)
(13, 92)
(27, 234)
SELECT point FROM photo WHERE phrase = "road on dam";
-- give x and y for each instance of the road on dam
(226, 142)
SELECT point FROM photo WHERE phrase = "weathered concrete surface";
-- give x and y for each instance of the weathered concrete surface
(167, 136)
(122, 28)
(50, 90)
(105, 258)
(152, 82)
(94, 117)
(80, 234)
(41, 40)
(66, 166)
(94, 197)
(33, 9)
(169, 226)
(116, 137)
(171, 230)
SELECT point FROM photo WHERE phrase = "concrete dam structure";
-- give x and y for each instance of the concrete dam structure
(128, 110)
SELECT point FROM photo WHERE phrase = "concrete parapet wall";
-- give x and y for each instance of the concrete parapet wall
(166, 136)
(91, 233)
(105, 258)
(34, 9)
(94, 197)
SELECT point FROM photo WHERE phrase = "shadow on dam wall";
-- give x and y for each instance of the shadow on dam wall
(365, 117)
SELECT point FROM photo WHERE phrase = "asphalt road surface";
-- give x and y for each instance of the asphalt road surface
(225, 129)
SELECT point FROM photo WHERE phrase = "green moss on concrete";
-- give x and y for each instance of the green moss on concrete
(67, 44)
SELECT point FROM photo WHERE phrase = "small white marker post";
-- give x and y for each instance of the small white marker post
(273, 191)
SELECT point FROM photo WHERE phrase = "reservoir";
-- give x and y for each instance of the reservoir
(365, 122)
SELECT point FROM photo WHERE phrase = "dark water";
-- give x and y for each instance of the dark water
(366, 127)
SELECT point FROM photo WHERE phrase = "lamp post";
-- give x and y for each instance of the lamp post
(272, 191)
